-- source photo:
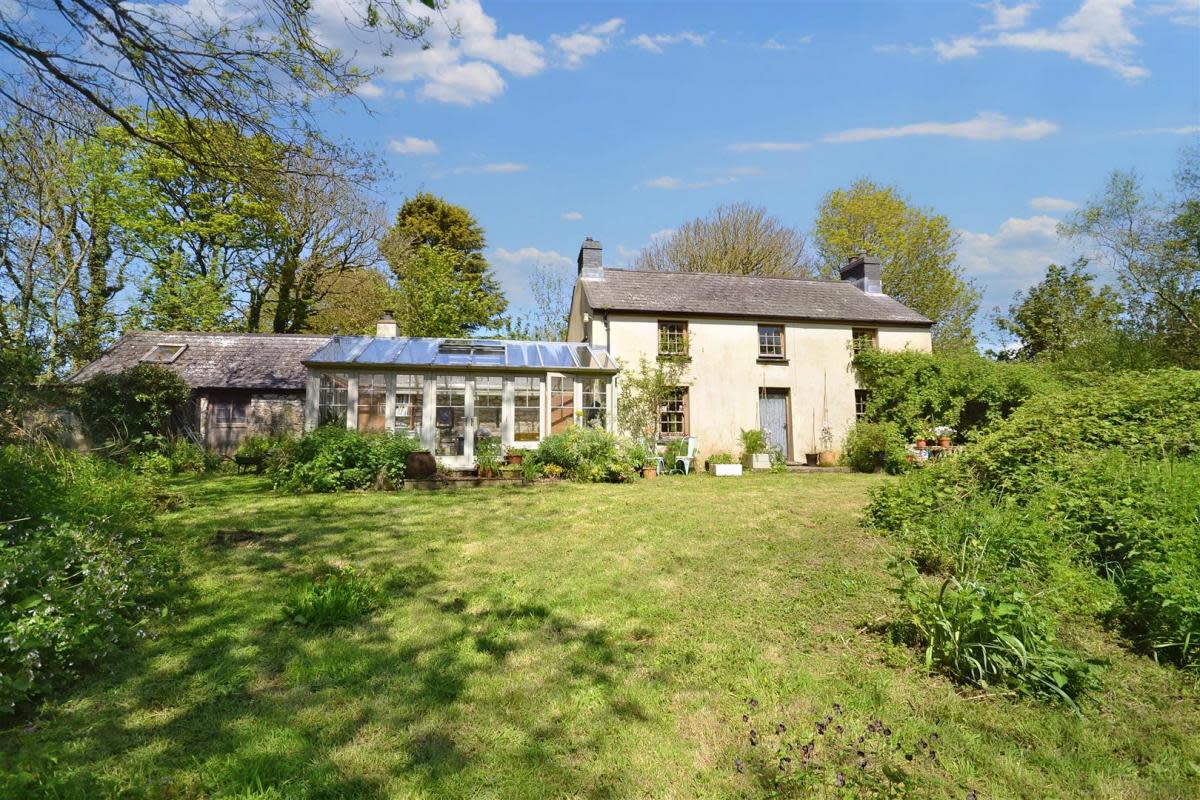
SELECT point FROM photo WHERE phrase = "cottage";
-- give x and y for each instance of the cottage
(242, 383)
(774, 353)
(771, 353)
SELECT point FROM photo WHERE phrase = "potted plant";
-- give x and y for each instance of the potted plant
(827, 457)
(487, 455)
(943, 434)
(514, 457)
(722, 465)
(921, 441)
(755, 452)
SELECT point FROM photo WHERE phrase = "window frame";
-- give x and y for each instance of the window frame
(862, 400)
(555, 402)
(864, 339)
(593, 387)
(376, 386)
(679, 336)
(533, 403)
(782, 354)
(324, 417)
(683, 414)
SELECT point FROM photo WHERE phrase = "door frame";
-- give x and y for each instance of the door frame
(786, 394)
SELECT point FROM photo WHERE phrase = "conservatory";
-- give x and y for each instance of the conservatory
(448, 392)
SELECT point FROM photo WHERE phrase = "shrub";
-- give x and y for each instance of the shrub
(968, 392)
(259, 446)
(754, 441)
(587, 453)
(333, 599)
(81, 565)
(131, 404)
(866, 439)
(332, 459)
(487, 452)
(989, 638)
(724, 457)
(160, 456)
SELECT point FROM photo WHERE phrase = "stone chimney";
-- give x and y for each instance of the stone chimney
(863, 271)
(386, 327)
(591, 260)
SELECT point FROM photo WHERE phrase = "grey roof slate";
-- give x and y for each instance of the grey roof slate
(217, 360)
(704, 293)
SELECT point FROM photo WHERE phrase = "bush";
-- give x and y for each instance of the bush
(129, 405)
(586, 453)
(81, 565)
(866, 439)
(970, 393)
(159, 456)
(333, 599)
(754, 441)
(260, 446)
(332, 458)
(724, 457)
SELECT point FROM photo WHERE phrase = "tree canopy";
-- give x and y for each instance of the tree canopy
(739, 239)
(916, 248)
(438, 297)
(1062, 312)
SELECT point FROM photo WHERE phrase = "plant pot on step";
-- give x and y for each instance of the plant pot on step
(943, 441)
(419, 465)
(827, 458)
(514, 458)
(810, 459)
(760, 461)
(921, 443)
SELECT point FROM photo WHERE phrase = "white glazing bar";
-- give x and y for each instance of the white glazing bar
(352, 402)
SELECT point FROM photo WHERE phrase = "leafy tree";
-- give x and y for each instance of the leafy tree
(256, 67)
(738, 239)
(62, 260)
(1153, 245)
(439, 297)
(552, 306)
(916, 249)
(643, 392)
(1061, 312)
(351, 301)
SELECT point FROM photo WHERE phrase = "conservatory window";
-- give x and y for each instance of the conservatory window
(372, 402)
(527, 408)
(410, 402)
(562, 402)
(489, 399)
(595, 400)
(331, 398)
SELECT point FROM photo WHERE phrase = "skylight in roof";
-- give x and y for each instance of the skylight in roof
(471, 346)
(163, 353)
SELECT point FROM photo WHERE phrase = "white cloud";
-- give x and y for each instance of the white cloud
(663, 182)
(985, 126)
(774, 43)
(586, 41)
(458, 62)
(530, 255)
(1179, 12)
(497, 167)
(572, 216)
(1014, 257)
(724, 178)
(656, 43)
(1183, 130)
(1098, 34)
(1006, 18)
(412, 146)
(662, 233)
(768, 147)
(1052, 204)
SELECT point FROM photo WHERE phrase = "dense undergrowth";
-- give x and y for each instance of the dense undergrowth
(1084, 503)
(82, 568)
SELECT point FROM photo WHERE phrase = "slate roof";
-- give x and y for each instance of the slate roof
(217, 360)
(711, 294)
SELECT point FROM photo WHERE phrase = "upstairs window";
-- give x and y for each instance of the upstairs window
(864, 339)
(672, 339)
(770, 342)
(673, 416)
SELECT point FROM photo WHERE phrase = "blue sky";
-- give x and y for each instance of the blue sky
(555, 120)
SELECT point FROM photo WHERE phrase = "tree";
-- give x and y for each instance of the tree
(62, 254)
(351, 302)
(1060, 313)
(916, 249)
(254, 66)
(737, 239)
(642, 394)
(547, 322)
(1153, 245)
(439, 297)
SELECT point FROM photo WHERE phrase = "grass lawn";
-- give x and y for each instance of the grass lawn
(562, 641)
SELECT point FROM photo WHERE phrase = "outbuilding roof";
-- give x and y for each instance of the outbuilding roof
(213, 360)
(713, 294)
(411, 351)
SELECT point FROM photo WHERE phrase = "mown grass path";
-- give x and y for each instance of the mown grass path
(560, 641)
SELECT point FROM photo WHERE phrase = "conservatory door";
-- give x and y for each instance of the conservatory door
(453, 440)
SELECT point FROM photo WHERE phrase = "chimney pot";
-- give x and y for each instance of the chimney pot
(386, 327)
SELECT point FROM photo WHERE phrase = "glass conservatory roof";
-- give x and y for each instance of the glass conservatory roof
(405, 351)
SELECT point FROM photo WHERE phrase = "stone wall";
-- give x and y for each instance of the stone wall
(276, 413)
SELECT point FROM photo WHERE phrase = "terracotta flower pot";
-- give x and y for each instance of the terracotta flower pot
(649, 471)
(827, 458)
(514, 458)
(921, 443)
(943, 441)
